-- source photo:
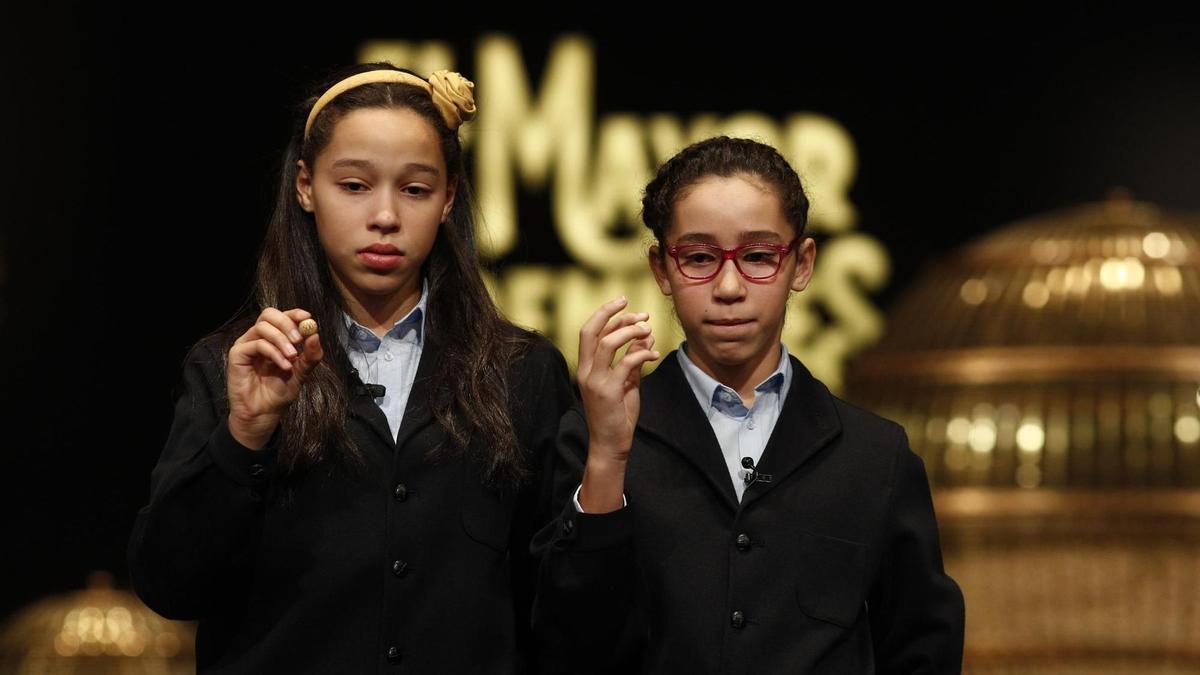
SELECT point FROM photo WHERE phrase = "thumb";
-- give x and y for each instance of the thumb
(640, 344)
(311, 356)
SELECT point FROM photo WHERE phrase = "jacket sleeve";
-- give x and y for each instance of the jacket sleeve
(541, 391)
(916, 610)
(194, 541)
(585, 591)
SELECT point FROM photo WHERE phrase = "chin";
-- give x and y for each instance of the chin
(736, 354)
(381, 284)
(727, 353)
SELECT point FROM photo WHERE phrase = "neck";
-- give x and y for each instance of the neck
(378, 313)
(740, 377)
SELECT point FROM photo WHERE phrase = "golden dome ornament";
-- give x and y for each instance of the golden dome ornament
(1058, 351)
(1046, 375)
(98, 631)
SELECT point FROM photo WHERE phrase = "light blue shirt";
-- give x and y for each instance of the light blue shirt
(391, 361)
(740, 431)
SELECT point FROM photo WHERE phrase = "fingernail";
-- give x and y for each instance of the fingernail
(643, 325)
(290, 350)
(295, 335)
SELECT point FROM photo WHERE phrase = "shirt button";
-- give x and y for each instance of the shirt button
(399, 567)
(387, 356)
(393, 654)
(257, 470)
(738, 620)
(401, 492)
(750, 423)
(743, 542)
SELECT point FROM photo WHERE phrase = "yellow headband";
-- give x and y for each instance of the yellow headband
(452, 93)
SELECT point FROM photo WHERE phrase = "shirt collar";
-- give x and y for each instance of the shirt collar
(712, 394)
(411, 327)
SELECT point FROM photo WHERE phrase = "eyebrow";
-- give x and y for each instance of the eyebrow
(745, 238)
(695, 238)
(367, 164)
(760, 235)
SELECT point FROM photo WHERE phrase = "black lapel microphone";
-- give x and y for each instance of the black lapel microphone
(374, 390)
(752, 474)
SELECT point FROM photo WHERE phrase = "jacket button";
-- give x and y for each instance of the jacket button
(738, 620)
(399, 567)
(568, 527)
(401, 492)
(393, 654)
(257, 470)
(743, 542)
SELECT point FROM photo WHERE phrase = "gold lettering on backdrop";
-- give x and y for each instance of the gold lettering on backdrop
(848, 267)
(521, 137)
(545, 136)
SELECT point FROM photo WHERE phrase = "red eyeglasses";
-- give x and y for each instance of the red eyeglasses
(755, 261)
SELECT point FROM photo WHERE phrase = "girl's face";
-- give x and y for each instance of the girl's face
(732, 322)
(378, 192)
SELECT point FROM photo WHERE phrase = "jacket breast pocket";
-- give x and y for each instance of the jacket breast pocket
(832, 580)
(486, 515)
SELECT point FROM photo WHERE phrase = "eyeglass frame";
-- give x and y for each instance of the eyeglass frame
(731, 254)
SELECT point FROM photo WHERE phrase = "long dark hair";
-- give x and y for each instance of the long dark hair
(469, 397)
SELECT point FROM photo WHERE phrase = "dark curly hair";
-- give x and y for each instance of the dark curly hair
(722, 156)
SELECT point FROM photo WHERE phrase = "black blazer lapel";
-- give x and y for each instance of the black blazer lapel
(670, 414)
(418, 412)
(806, 424)
(363, 407)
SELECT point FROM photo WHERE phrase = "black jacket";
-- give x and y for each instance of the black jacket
(832, 567)
(404, 565)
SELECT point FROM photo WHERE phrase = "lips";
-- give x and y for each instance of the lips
(381, 256)
(381, 249)
(730, 329)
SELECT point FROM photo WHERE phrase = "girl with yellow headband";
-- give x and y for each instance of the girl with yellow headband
(352, 476)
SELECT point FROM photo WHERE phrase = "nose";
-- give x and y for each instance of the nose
(384, 216)
(728, 286)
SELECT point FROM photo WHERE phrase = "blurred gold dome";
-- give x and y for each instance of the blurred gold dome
(98, 631)
(1047, 375)
(1060, 351)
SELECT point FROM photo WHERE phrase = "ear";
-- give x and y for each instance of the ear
(304, 186)
(806, 255)
(658, 266)
(451, 191)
